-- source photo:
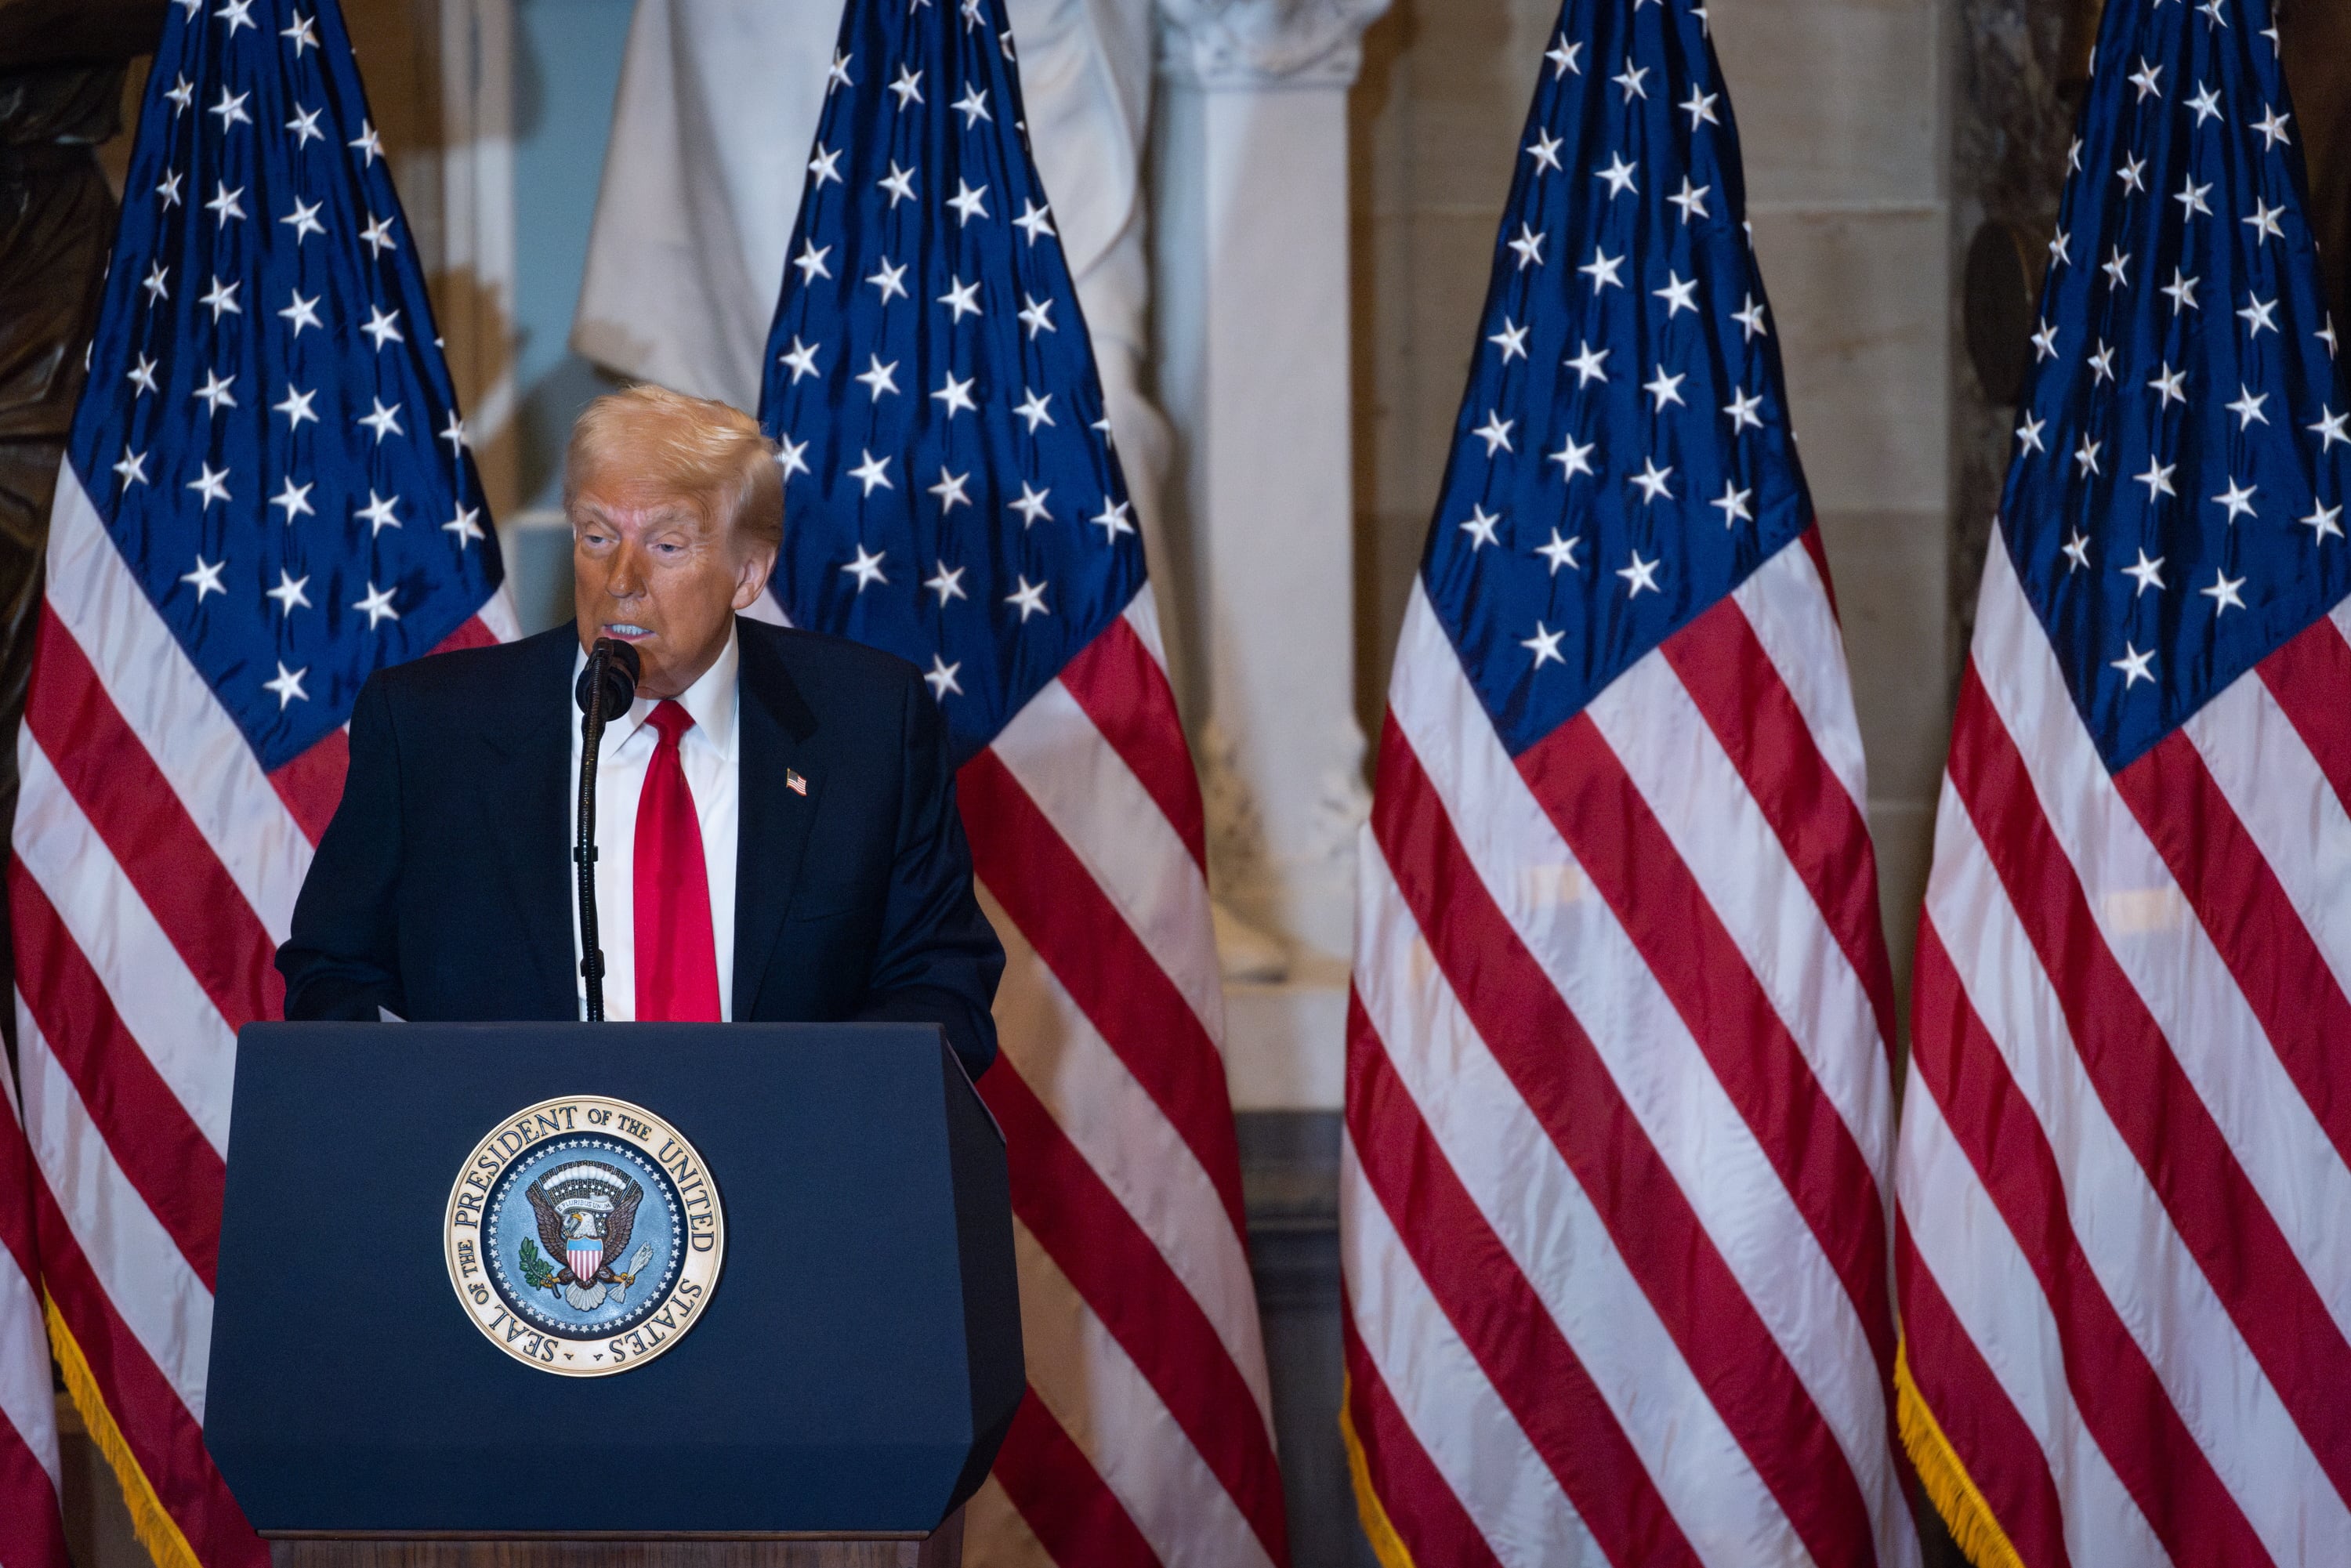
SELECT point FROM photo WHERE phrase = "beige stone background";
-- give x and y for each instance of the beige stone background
(1841, 115)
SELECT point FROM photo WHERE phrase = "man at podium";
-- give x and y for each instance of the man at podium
(777, 838)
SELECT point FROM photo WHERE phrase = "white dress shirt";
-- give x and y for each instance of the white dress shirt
(710, 754)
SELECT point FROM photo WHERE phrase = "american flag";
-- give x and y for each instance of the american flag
(1619, 1098)
(32, 1529)
(266, 496)
(2123, 1268)
(951, 494)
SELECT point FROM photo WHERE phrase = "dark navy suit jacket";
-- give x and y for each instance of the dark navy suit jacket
(443, 889)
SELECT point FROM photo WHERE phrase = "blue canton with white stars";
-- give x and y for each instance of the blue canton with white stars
(1622, 458)
(2175, 509)
(269, 432)
(950, 492)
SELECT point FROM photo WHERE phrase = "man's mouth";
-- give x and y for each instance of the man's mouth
(627, 631)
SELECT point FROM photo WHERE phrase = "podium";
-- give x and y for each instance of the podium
(611, 1296)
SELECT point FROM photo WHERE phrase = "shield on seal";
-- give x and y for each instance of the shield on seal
(583, 1249)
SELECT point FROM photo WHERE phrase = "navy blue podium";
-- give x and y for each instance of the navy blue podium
(845, 1378)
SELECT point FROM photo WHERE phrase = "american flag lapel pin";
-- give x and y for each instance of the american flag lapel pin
(794, 782)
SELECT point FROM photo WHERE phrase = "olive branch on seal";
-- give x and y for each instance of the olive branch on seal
(537, 1271)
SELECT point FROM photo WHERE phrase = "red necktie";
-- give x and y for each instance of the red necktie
(677, 958)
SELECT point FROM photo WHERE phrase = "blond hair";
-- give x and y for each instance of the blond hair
(686, 446)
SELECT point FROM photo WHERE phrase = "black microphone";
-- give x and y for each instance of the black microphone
(618, 668)
(612, 676)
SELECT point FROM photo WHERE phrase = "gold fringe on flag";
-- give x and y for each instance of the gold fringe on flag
(1973, 1526)
(157, 1531)
(1385, 1544)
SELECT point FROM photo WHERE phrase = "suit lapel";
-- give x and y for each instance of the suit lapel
(529, 799)
(778, 733)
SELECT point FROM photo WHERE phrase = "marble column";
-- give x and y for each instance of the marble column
(1250, 236)
(473, 274)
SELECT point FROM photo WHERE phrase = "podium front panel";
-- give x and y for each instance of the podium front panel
(853, 1368)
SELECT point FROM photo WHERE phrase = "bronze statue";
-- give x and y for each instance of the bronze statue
(2317, 35)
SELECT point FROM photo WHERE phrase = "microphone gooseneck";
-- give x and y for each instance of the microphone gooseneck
(605, 689)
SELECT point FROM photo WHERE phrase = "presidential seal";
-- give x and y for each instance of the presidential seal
(584, 1236)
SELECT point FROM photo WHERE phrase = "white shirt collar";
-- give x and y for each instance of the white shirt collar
(710, 701)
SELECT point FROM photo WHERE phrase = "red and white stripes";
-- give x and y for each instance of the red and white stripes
(1618, 1114)
(1147, 1437)
(155, 871)
(2127, 1289)
(32, 1530)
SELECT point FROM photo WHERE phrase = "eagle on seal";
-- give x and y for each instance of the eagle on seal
(584, 1240)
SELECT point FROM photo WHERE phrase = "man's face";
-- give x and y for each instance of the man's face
(653, 570)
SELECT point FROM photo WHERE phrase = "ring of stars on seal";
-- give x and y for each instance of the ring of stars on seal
(657, 1181)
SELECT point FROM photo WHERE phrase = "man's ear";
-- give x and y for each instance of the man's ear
(751, 577)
